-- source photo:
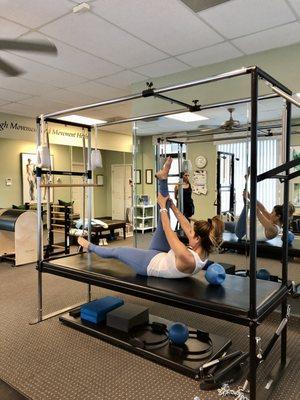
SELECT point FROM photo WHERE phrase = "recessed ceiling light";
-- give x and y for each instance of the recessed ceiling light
(187, 117)
(82, 120)
(82, 7)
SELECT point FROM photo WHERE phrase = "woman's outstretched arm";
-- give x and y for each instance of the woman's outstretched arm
(260, 206)
(184, 223)
(184, 259)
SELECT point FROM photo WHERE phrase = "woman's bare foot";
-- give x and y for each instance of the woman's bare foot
(83, 242)
(164, 172)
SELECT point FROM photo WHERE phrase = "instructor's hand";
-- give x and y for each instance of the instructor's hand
(162, 201)
(83, 242)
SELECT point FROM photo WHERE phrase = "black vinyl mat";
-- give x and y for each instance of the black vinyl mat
(7, 392)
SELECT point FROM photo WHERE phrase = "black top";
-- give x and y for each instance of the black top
(188, 204)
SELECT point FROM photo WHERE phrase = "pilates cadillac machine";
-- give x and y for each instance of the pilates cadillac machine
(18, 236)
(244, 301)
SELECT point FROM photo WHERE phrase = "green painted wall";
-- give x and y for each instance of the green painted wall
(204, 204)
(10, 156)
(146, 160)
(10, 151)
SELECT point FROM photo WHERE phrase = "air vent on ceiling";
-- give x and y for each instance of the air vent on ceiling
(201, 5)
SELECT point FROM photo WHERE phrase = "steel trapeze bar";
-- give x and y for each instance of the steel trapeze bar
(277, 170)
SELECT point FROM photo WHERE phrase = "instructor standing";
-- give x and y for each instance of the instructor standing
(188, 203)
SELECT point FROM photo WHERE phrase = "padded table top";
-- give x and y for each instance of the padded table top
(192, 293)
(112, 223)
(267, 248)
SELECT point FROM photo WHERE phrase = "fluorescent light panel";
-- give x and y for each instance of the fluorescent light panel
(187, 117)
(82, 120)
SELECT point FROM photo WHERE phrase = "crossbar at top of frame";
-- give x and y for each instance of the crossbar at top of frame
(214, 78)
(269, 80)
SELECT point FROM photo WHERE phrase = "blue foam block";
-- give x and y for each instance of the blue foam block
(96, 310)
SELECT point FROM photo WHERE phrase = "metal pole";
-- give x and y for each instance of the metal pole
(253, 249)
(284, 274)
(83, 188)
(134, 191)
(283, 94)
(226, 75)
(94, 105)
(214, 78)
(39, 229)
(180, 186)
(89, 202)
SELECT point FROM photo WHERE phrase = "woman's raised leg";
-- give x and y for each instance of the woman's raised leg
(159, 241)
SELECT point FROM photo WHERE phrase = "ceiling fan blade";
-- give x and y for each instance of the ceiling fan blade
(9, 69)
(41, 46)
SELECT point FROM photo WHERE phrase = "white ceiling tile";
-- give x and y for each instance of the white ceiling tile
(11, 95)
(47, 104)
(270, 39)
(168, 25)
(20, 109)
(3, 101)
(295, 5)
(23, 85)
(41, 73)
(98, 91)
(10, 30)
(122, 79)
(219, 52)
(34, 13)
(69, 97)
(80, 1)
(91, 33)
(72, 60)
(241, 17)
(164, 67)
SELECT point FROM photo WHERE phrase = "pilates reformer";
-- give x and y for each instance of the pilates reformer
(245, 301)
(18, 230)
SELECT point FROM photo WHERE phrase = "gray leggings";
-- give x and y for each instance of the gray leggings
(139, 259)
(239, 227)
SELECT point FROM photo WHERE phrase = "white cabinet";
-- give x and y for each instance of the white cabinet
(144, 217)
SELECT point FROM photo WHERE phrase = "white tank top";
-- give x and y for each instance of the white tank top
(260, 231)
(163, 265)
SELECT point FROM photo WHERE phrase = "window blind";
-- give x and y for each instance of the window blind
(267, 157)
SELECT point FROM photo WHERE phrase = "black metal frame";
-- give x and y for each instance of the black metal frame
(254, 317)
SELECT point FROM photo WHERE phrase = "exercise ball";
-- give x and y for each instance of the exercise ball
(290, 238)
(263, 274)
(215, 274)
(178, 333)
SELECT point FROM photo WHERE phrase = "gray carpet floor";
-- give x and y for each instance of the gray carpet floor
(51, 361)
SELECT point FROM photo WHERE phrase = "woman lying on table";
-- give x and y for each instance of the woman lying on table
(167, 256)
(269, 224)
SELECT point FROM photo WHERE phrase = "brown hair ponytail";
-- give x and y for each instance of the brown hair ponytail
(210, 233)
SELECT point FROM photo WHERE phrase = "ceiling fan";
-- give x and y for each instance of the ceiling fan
(227, 126)
(39, 46)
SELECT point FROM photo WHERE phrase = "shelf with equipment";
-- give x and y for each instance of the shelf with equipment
(144, 217)
(61, 217)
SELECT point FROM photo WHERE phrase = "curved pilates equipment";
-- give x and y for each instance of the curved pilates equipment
(247, 301)
(18, 230)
